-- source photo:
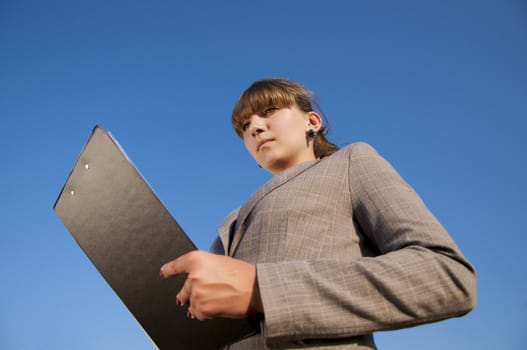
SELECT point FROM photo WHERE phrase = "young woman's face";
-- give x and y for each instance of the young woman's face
(277, 138)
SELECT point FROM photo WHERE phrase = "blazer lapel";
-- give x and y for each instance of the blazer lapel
(256, 197)
(226, 227)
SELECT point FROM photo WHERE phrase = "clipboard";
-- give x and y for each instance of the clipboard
(128, 234)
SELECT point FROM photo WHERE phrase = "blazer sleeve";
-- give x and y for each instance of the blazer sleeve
(419, 276)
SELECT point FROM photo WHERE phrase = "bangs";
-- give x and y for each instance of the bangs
(264, 94)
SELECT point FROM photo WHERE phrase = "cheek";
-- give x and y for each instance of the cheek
(249, 146)
(246, 143)
(293, 125)
(294, 132)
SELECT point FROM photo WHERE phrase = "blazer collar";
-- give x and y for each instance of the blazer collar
(244, 211)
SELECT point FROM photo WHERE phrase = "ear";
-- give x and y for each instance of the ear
(314, 121)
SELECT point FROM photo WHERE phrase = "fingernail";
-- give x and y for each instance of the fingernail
(189, 314)
(178, 301)
(161, 273)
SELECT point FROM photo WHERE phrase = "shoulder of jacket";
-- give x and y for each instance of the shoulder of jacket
(358, 149)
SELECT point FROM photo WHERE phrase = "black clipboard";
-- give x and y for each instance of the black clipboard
(128, 234)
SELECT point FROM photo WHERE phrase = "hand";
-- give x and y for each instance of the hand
(216, 286)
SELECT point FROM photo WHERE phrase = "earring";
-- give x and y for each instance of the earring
(311, 134)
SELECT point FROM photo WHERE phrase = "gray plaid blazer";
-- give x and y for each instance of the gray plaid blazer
(344, 247)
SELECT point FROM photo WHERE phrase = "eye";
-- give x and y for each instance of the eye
(269, 110)
(245, 126)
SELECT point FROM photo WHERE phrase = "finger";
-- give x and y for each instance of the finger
(183, 296)
(195, 313)
(190, 314)
(175, 267)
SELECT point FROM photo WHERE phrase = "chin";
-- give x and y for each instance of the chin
(275, 166)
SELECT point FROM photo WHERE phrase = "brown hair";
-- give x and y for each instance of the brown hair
(281, 93)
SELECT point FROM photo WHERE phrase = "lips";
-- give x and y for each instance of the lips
(263, 142)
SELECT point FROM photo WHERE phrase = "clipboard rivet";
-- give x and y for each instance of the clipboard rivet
(86, 166)
(72, 192)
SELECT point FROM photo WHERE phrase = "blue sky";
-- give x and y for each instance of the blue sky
(438, 87)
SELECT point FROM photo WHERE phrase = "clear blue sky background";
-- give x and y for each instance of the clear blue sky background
(438, 87)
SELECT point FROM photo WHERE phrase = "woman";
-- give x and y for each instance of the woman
(334, 247)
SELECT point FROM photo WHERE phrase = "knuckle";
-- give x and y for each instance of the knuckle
(193, 255)
(200, 316)
(196, 256)
(206, 311)
(196, 297)
(192, 278)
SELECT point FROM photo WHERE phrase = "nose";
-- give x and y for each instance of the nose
(257, 125)
(256, 130)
